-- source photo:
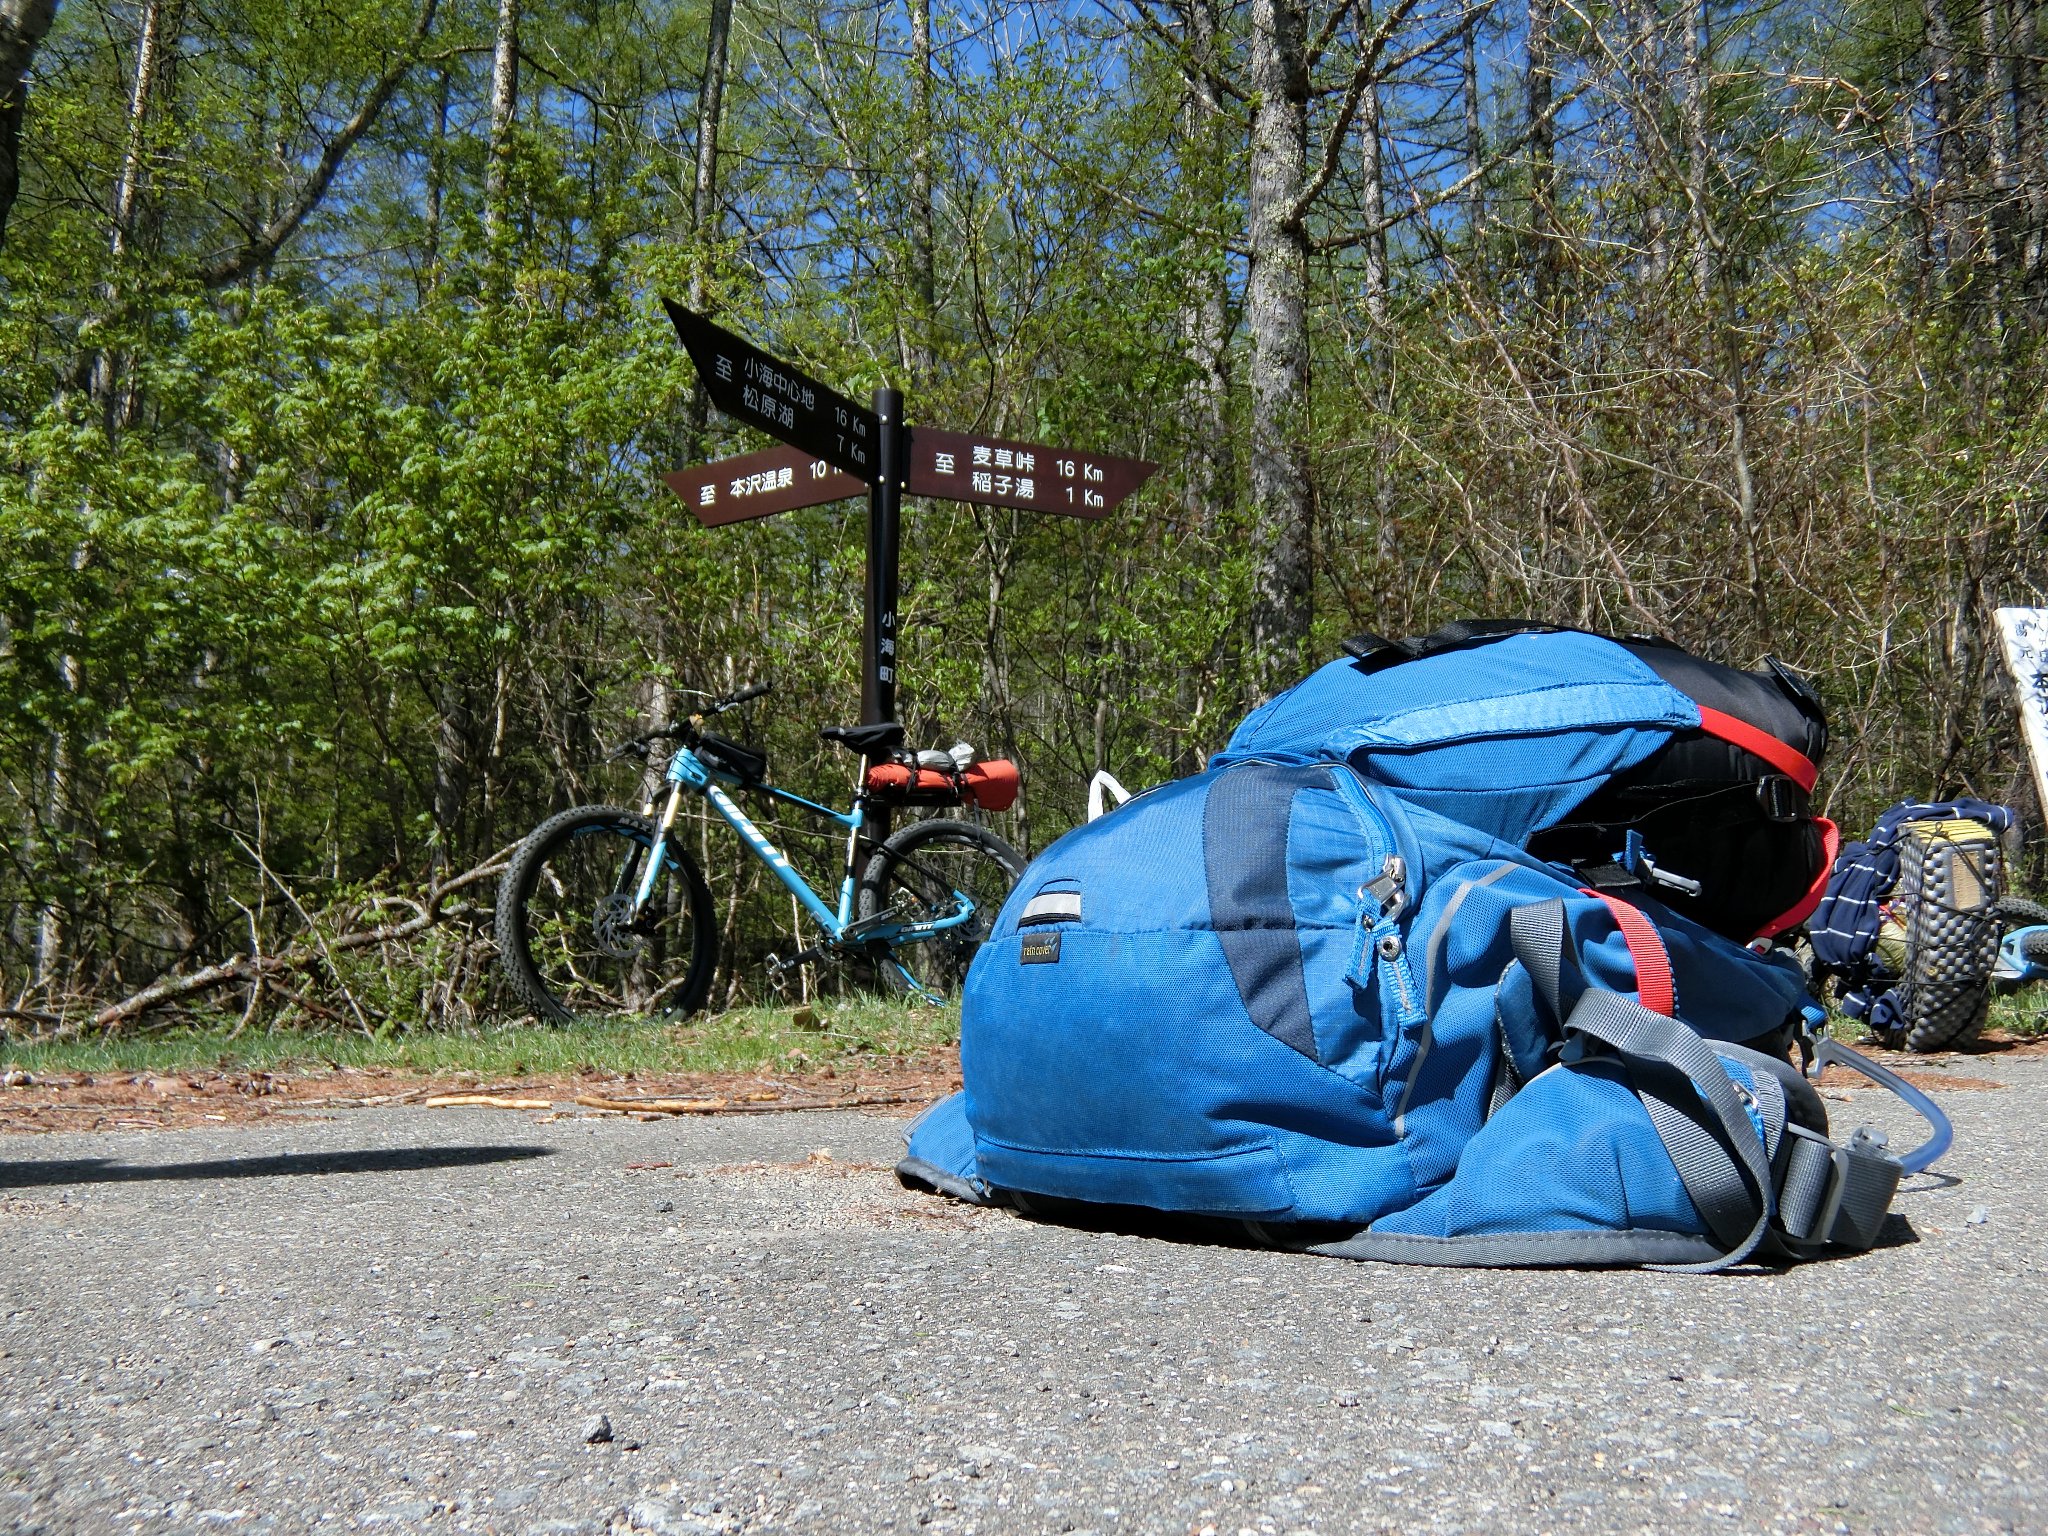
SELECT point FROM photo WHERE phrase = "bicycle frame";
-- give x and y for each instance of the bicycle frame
(688, 771)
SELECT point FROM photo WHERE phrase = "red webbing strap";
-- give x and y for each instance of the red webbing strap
(1654, 988)
(1803, 908)
(1788, 760)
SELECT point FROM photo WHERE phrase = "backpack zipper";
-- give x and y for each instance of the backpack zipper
(1382, 901)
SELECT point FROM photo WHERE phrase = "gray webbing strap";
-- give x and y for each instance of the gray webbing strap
(1809, 1175)
(1522, 1250)
(1770, 1103)
(1701, 1159)
(1537, 930)
(1705, 1167)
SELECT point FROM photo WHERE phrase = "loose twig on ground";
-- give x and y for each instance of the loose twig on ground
(751, 1104)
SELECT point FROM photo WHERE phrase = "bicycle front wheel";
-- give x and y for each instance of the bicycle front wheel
(568, 943)
(915, 875)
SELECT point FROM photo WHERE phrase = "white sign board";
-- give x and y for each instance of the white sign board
(2024, 633)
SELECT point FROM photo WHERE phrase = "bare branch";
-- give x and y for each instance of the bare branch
(258, 967)
(1420, 205)
(1363, 75)
(251, 256)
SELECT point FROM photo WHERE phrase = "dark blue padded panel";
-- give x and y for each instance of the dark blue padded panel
(1243, 825)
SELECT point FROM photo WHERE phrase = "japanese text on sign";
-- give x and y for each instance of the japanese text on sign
(759, 484)
(748, 384)
(1026, 475)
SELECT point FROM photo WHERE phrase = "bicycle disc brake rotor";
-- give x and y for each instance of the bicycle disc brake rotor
(612, 924)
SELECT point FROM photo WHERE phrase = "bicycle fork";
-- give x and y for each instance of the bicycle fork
(655, 860)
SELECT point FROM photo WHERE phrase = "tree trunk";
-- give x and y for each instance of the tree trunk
(1276, 316)
(504, 115)
(23, 25)
(2001, 144)
(1475, 144)
(128, 191)
(2030, 147)
(1697, 82)
(451, 771)
(923, 271)
(1205, 309)
(1950, 211)
(1540, 84)
(704, 199)
(437, 176)
(1372, 175)
(1647, 101)
(154, 48)
(55, 826)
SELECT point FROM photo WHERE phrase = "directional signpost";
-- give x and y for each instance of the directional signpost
(749, 385)
(760, 485)
(837, 448)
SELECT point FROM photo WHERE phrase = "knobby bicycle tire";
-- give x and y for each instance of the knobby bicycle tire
(2018, 912)
(563, 945)
(915, 872)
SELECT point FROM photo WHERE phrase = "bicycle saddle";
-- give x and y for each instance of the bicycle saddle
(866, 739)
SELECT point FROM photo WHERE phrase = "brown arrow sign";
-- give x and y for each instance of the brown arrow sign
(749, 385)
(760, 485)
(964, 466)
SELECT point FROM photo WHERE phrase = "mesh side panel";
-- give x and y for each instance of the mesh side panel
(1950, 874)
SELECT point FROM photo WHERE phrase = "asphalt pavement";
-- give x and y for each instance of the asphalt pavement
(483, 1320)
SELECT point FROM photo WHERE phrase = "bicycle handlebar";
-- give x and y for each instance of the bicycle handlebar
(638, 746)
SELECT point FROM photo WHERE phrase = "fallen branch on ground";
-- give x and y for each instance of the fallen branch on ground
(260, 968)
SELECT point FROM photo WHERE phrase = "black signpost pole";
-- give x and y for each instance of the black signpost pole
(885, 536)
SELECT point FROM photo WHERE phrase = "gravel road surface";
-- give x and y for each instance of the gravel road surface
(478, 1320)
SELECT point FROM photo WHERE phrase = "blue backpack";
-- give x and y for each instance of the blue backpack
(1324, 991)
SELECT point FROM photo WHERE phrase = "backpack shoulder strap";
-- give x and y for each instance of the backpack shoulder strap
(1375, 653)
(1727, 1175)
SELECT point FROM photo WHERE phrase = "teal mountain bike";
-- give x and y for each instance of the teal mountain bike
(603, 911)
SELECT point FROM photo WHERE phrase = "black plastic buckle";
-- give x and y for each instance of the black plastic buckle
(1780, 798)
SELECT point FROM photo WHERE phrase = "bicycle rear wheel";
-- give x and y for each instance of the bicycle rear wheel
(915, 874)
(567, 944)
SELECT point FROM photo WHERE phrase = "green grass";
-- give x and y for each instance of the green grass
(2023, 1013)
(747, 1039)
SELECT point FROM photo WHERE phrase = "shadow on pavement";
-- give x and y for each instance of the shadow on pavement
(100, 1170)
(1134, 1221)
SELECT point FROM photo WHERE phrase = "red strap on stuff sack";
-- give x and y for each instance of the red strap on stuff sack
(1788, 760)
(1803, 908)
(902, 778)
(1654, 987)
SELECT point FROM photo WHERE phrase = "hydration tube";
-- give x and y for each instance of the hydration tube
(1929, 1151)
